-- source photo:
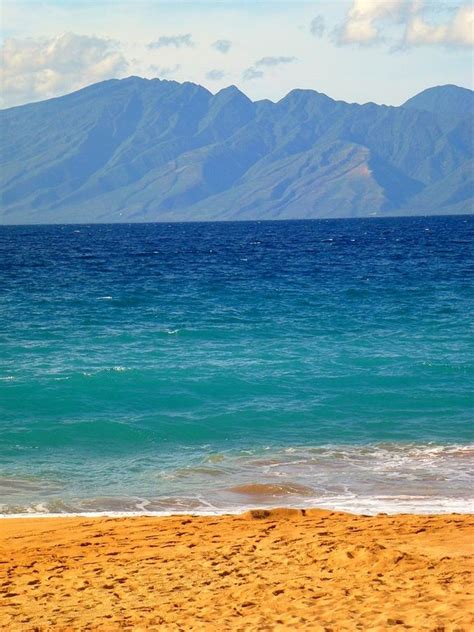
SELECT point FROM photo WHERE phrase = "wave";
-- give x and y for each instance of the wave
(370, 478)
(416, 505)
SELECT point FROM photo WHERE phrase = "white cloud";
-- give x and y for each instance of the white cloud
(256, 72)
(251, 73)
(215, 75)
(365, 19)
(35, 69)
(178, 41)
(317, 26)
(459, 31)
(274, 61)
(222, 45)
(368, 22)
(163, 72)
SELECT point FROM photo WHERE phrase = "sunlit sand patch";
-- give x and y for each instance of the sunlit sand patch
(268, 569)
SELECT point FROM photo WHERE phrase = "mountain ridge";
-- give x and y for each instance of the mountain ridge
(156, 150)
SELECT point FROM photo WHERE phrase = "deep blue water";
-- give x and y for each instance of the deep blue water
(158, 366)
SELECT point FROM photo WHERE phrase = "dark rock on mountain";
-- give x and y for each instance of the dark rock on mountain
(151, 150)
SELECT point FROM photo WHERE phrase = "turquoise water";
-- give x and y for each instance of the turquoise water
(211, 367)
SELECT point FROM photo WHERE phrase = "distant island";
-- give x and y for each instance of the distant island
(138, 150)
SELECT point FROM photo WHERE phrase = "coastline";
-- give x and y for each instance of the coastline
(462, 508)
(261, 570)
(413, 478)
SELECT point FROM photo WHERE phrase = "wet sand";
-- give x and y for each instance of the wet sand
(264, 570)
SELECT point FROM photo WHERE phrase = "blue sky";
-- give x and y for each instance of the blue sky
(357, 50)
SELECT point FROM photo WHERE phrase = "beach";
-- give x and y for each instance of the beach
(280, 569)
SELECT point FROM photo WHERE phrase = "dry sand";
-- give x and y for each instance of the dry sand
(278, 570)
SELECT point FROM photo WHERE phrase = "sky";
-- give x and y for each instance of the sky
(355, 50)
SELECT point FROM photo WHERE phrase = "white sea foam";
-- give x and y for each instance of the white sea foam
(364, 479)
(362, 506)
(112, 369)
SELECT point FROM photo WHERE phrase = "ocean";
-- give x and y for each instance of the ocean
(213, 367)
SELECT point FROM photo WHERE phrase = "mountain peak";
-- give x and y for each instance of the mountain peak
(448, 99)
(299, 99)
(301, 93)
(232, 89)
(231, 92)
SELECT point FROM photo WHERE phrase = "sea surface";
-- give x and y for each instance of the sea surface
(212, 367)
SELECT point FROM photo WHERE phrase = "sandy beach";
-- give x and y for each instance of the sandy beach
(263, 570)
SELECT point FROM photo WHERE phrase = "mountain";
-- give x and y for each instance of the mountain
(450, 100)
(137, 150)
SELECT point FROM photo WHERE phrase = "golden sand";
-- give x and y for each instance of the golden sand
(264, 570)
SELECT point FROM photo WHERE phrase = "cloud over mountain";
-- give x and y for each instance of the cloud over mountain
(257, 70)
(222, 45)
(274, 61)
(317, 26)
(366, 18)
(178, 41)
(215, 74)
(35, 69)
(164, 71)
(419, 23)
(252, 73)
(332, 40)
(458, 32)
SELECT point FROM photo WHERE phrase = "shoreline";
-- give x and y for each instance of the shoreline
(266, 569)
(412, 478)
(222, 513)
